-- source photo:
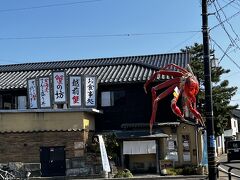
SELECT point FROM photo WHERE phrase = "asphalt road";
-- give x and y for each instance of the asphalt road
(225, 165)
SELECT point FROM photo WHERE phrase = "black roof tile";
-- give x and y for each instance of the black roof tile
(109, 70)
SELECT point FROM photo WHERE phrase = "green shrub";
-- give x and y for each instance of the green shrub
(171, 171)
(189, 170)
(179, 171)
(174, 172)
(123, 174)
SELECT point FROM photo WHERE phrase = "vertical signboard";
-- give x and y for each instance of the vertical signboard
(59, 87)
(32, 93)
(90, 91)
(75, 92)
(104, 157)
(44, 92)
(204, 160)
(172, 152)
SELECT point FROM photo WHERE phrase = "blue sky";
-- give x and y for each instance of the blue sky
(50, 30)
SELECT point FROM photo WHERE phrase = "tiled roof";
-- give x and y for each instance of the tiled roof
(109, 70)
(236, 113)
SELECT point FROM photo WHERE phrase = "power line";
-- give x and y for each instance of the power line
(237, 37)
(232, 40)
(218, 16)
(49, 5)
(236, 3)
(225, 53)
(183, 41)
(225, 6)
(95, 35)
(225, 20)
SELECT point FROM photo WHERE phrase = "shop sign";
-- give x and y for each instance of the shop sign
(78, 91)
(59, 87)
(32, 93)
(166, 163)
(90, 91)
(75, 92)
(44, 92)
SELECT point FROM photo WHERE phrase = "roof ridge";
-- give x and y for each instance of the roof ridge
(90, 59)
(132, 69)
(138, 59)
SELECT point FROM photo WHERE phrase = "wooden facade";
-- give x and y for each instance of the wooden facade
(131, 105)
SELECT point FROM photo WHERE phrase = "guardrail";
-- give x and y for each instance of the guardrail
(230, 168)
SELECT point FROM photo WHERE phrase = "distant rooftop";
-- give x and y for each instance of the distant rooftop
(236, 113)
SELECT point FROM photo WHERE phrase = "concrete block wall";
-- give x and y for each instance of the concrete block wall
(24, 147)
(90, 164)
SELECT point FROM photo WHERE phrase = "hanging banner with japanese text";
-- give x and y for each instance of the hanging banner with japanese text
(90, 91)
(44, 92)
(59, 88)
(32, 93)
(75, 93)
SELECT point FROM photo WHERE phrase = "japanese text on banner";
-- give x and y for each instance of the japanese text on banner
(32, 93)
(59, 87)
(90, 91)
(75, 91)
(44, 92)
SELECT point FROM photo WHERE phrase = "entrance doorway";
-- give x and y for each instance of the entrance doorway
(52, 161)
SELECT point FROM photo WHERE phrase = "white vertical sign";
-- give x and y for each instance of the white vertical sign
(32, 93)
(59, 88)
(90, 91)
(105, 162)
(44, 92)
(75, 95)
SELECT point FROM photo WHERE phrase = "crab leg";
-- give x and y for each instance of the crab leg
(161, 72)
(176, 110)
(163, 85)
(155, 103)
(196, 114)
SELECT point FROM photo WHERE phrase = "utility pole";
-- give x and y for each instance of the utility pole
(212, 169)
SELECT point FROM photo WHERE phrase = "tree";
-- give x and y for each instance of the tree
(221, 92)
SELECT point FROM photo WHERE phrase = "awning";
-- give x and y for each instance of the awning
(140, 134)
(139, 147)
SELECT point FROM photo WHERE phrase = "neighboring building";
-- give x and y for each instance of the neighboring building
(236, 115)
(232, 130)
(233, 127)
(57, 136)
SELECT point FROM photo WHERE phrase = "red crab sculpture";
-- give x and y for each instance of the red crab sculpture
(183, 83)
